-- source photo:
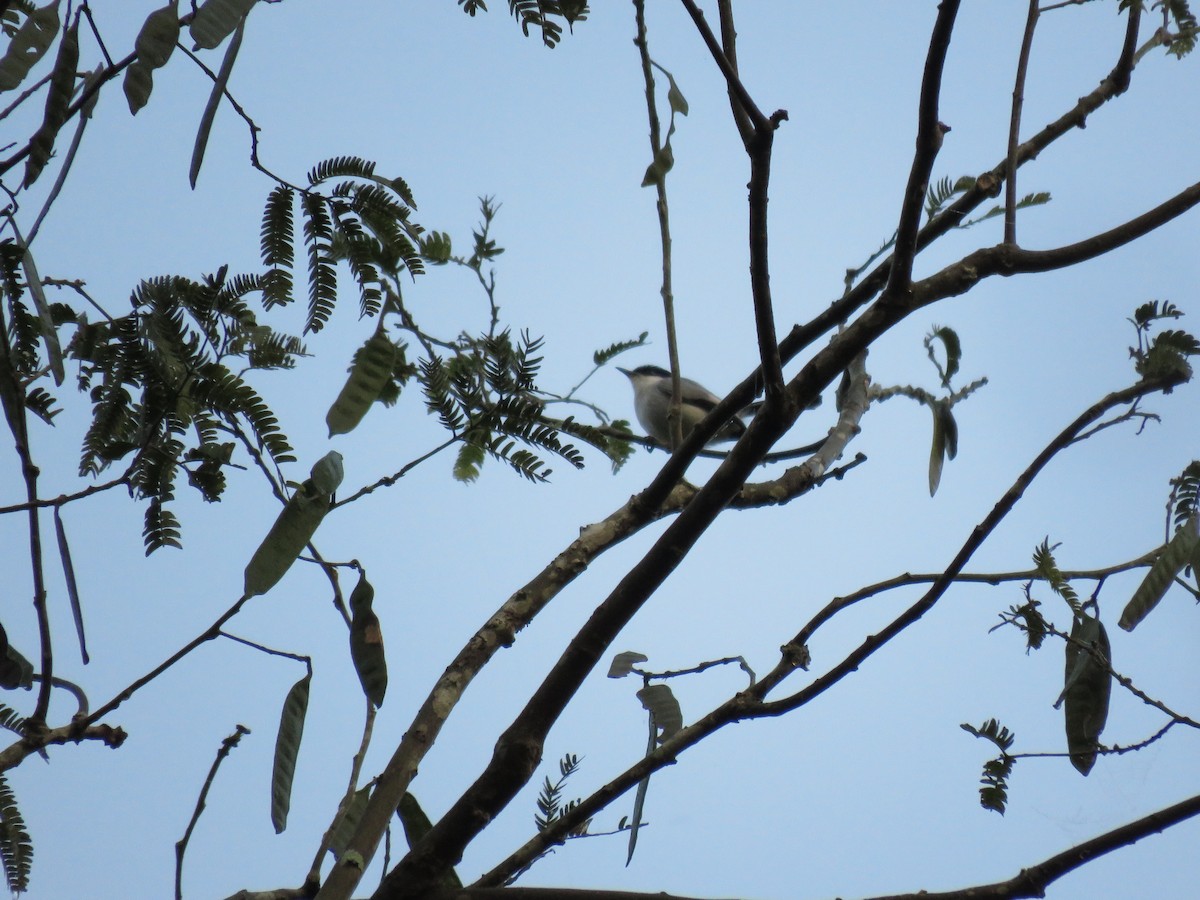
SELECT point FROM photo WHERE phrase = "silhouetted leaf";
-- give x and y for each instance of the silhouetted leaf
(1086, 690)
(623, 663)
(372, 370)
(58, 100)
(45, 317)
(287, 747)
(64, 553)
(416, 825)
(663, 161)
(156, 41)
(210, 108)
(138, 84)
(28, 45)
(1175, 556)
(661, 702)
(215, 20)
(293, 529)
(348, 823)
(327, 472)
(366, 642)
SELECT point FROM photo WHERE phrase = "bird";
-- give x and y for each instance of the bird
(652, 403)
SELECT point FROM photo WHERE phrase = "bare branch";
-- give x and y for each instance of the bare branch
(930, 132)
(227, 746)
(1014, 126)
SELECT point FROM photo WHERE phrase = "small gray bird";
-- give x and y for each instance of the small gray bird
(652, 402)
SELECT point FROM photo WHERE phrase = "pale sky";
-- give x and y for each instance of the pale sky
(871, 789)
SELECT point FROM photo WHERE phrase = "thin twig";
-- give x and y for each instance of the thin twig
(181, 845)
(1014, 126)
(674, 415)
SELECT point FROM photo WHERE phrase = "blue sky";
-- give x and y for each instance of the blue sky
(869, 790)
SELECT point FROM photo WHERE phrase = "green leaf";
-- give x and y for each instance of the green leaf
(347, 825)
(293, 529)
(138, 83)
(953, 347)
(366, 642)
(1087, 685)
(624, 662)
(210, 108)
(287, 747)
(216, 20)
(64, 553)
(659, 700)
(993, 794)
(600, 357)
(16, 847)
(940, 446)
(58, 100)
(657, 171)
(28, 45)
(327, 472)
(45, 317)
(1175, 556)
(416, 825)
(370, 373)
(160, 32)
(468, 462)
(675, 98)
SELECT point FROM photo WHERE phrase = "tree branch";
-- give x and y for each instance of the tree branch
(1014, 126)
(1033, 881)
(929, 141)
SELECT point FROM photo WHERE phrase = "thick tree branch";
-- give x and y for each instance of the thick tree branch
(929, 141)
(751, 703)
(1033, 881)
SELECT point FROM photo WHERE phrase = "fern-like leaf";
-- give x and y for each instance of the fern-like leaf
(277, 239)
(993, 794)
(16, 847)
(322, 281)
(340, 167)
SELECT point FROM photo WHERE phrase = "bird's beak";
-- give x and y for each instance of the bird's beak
(625, 372)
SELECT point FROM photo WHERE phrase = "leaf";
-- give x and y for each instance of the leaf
(138, 83)
(366, 642)
(1175, 556)
(28, 45)
(64, 552)
(952, 346)
(16, 847)
(158, 36)
(214, 100)
(293, 529)
(937, 450)
(1086, 689)
(624, 662)
(371, 371)
(600, 357)
(675, 98)
(49, 330)
(347, 825)
(287, 747)
(662, 705)
(416, 825)
(215, 20)
(657, 171)
(12, 674)
(993, 794)
(327, 472)
(58, 100)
